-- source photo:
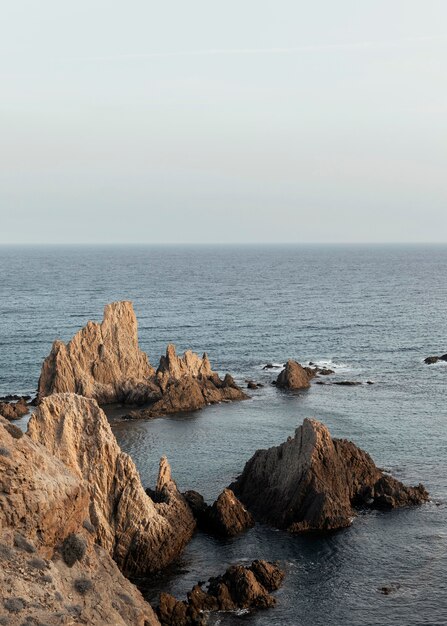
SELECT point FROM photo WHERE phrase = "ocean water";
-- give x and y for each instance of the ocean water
(371, 312)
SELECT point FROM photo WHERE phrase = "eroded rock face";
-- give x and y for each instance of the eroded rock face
(294, 376)
(141, 535)
(186, 384)
(239, 588)
(102, 361)
(42, 505)
(226, 517)
(313, 482)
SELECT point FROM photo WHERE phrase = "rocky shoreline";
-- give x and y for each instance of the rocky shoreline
(75, 519)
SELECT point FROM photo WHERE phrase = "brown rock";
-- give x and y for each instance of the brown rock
(312, 482)
(14, 410)
(294, 376)
(228, 517)
(102, 361)
(141, 535)
(187, 384)
(42, 504)
(239, 588)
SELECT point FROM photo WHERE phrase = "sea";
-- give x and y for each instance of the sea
(371, 313)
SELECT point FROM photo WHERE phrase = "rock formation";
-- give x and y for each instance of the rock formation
(239, 588)
(51, 570)
(141, 535)
(103, 362)
(14, 410)
(186, 384)
(313, 482)
(226, 517)
(294, 376)
(430, 360)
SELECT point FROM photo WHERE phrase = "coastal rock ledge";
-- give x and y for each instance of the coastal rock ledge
(314, 482)
(104, 362)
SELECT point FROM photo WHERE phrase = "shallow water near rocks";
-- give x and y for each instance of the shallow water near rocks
(370, 313)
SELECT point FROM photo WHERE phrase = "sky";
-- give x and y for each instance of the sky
(223, 122)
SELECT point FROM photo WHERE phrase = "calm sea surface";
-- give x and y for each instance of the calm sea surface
(373, 313)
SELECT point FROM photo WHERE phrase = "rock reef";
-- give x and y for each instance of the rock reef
(52, 571)
(104, 362)
(314, 482)
(238, 588)
(141, 535)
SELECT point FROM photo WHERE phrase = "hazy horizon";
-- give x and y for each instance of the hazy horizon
(253, 123)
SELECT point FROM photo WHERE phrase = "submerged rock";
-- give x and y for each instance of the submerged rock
(43, 508)
(294, 376)
(313, 482)
(141, 535)
(226, 517)
(239, 588)
(430, 360)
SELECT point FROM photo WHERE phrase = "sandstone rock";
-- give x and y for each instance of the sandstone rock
(102, 361)
(313, 482)
(42, 503)
(239, 588)
(294, 376)
(142, 536)
(187, 384)
(14, 410)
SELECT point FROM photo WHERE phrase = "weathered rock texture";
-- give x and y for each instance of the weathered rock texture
(14, 410)
(141, 535)
(313, 482)
(239, 588)
(188, 383)
(226, 517)
(294, 376)
(102, 361)
(51, 570)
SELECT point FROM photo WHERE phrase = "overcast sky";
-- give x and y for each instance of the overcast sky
(235, 121)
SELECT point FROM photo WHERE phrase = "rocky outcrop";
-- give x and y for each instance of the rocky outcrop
(239, 588)
(294, 376)
(314, 482)
(102, 361)
(141, 535)
(226, 517)
(187, 384)
(14, 410)
(51, 570)
(430, 360)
